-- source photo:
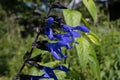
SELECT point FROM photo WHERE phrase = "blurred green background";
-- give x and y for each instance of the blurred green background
(14, 41)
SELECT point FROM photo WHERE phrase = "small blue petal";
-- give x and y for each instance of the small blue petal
(55, 49)
(66, 35)
(55, 55)
(82, 28)
(70, 31)
(75, 34)
(58, 51)
(65, 44)
(49, 22)
(60, 44)
(68, 46)
(49, 33)
(48, 30)
(63, 37)
(66, 28)
(67, 39)
(49, 72)
(46, 76)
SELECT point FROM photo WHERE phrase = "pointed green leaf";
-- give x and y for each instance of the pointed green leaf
(72, 17)
(91, 7)
(86, 56)
(82, 51)
(94, 66)
(93, 37)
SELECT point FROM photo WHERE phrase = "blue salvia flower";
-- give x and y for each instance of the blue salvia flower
(55, 49)
(82, 28)
(73, 33)
(49, 33)
(69, 30)
(63, 37)
(49, 72)
(48, 29)
(68, 37)
(49, 22)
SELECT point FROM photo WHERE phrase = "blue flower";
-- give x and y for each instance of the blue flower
(48, 29)
(70, 31)
(82, 28)
(49, 22)
(63, 37)
(49, 72)
(55, 49)
(73, 33)
(49, 33)
(67, 28)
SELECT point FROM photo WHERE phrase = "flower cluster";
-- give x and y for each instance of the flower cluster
(61, 40)
(64, 39)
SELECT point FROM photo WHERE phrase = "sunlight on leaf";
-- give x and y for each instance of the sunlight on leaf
(86, 56)
(82, 51)
(72, 17)
(93, 37)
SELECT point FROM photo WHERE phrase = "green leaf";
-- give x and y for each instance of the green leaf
(82, 51)
(86, 56)
(72, 17)
(60, 74)
(91, 7)
(93, 37)
(94, 65)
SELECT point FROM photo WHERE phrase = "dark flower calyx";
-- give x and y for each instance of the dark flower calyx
(35, 64)
(36, 58)
(40, 45)
(58, 5)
